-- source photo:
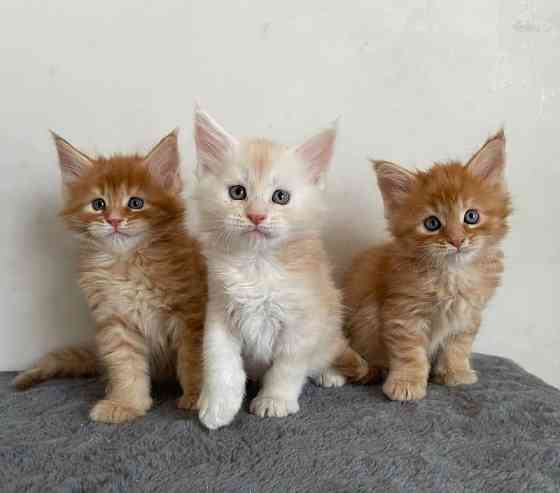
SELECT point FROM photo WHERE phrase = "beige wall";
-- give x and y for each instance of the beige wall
(413, 81)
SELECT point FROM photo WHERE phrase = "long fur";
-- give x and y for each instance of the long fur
(145, 284)
(415, 303)
(274, 313)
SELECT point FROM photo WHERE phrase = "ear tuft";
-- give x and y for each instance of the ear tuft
(489, 161)
(73, 163)
(317, 152)
(163, 162)
(214, 146)
(395, 183)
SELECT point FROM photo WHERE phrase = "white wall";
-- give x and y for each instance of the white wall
(413, 81)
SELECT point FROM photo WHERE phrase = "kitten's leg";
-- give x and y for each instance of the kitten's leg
(189, 366)
(453, 366)
(125, 356)
(408, 361)
(223, 387)
(281, 387)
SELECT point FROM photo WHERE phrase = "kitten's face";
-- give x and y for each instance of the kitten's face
(119, 202)
(258, 194)
(451, 212)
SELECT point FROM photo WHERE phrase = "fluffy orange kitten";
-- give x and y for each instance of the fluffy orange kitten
(416, 301)
(143, 277)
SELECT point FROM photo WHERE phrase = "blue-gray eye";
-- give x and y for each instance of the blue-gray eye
(472, 216)
(237, 192)
(281, 197)
(432, 223)
(98, 204)
(135, 203)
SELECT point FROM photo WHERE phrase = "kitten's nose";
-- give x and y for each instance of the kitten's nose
(456, 242)
(114, 221)
(256, 218)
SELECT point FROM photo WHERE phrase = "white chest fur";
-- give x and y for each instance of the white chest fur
(259, 304)
(457, 309)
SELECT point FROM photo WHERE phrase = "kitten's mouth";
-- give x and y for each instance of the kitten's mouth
(258, 233)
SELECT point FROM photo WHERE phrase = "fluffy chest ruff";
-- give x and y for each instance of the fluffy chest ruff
(260, 305)
(128, 291)
(459, 298)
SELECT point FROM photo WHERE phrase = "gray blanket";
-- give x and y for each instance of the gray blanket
(502, 434)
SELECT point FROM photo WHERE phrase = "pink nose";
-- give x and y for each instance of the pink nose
(456, 242)
(256, 218)
(114, 221)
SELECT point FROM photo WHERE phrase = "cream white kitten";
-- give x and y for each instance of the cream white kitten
(274, 313)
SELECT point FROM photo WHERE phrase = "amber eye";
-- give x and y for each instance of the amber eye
(98, 204)
(135, 203)
(281, 197)
(432, 223)
(237, 192)
(472, 216)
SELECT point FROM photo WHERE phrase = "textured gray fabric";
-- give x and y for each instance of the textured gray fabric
(502, 434)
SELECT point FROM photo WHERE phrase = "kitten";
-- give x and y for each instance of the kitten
(415, 302)
(274, 313)
(143, 277)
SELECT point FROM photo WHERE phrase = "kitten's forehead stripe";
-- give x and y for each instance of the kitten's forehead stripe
(260, 154)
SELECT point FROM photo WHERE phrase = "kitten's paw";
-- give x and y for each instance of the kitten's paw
(188, 402)
(329, 378)
(453, 378)
(403, 390)
(109, 411)
(274, 408)
(215, 412)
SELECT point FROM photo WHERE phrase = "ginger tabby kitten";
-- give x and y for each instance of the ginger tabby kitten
(142, 275)
(415, 302)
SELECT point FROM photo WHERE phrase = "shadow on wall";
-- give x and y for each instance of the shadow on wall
(63, 315)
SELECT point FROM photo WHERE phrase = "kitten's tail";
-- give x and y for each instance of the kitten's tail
(72, 361)
(355, 368)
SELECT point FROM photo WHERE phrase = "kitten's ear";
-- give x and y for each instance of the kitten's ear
(73, 163)
(317, 153)
(395, 183)
(214, 146)
(163, 162)
(490, 160)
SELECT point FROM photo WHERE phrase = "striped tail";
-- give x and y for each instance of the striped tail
(77, 361)
(355, 368)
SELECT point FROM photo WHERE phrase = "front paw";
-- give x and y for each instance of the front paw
(329, 378)
(109, 411)
(215, 411)
(404, 390)
(272, 407)
(453, 378)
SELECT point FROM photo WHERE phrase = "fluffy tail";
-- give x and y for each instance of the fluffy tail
(355, 368)
(78, 361)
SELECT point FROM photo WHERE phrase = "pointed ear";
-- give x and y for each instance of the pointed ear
(395, 183)
(317, 153)
(163, 162)
(73, 163)
(490, 160)
(214, 146)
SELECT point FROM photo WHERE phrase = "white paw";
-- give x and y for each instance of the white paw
(274, 408)
(329, 378)
(218, 409)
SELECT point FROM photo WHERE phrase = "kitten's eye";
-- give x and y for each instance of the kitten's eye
(472, 216)
(281, 197)
(98, 204)
(237, 192)
(135, 203)
(432, 223)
